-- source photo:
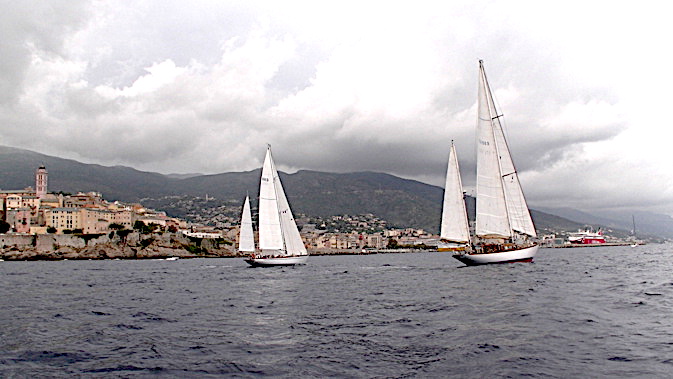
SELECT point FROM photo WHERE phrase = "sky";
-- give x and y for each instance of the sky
(347, 86)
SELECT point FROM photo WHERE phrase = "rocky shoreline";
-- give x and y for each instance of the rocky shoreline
(113, 246)
(134, 245)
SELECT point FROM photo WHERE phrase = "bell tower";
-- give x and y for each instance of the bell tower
(41, 182)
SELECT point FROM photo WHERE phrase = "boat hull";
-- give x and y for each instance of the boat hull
(281, 261)
(525, 254)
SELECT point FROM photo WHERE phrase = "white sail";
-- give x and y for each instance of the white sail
(492, 219)
(517, 209)
(502, 212)
(246, 240)
(455, 227)
(293, 242)
(277, 228)
(270, 234)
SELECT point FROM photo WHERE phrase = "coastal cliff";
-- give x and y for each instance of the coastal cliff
(115, 245)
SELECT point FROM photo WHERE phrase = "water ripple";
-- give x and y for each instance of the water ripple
(589, 312)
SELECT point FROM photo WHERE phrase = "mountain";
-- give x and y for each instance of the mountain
(401, 202)
(17, 171)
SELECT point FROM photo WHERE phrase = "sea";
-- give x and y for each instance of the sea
(581, 312)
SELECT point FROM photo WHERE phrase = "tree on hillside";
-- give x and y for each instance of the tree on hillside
(144, 228)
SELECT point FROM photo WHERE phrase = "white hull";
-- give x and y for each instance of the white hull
(281, 261)
(520, 255)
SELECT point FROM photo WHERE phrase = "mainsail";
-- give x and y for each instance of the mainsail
(501, 206)
(491, 220)
(246, 240)
(455, 227)
(270, 235)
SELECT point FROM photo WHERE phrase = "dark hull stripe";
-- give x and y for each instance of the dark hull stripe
(470, 262)
(259, 264)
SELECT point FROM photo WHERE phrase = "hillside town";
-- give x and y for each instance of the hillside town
(37, 211)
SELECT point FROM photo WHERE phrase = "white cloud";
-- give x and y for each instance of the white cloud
(346, 87)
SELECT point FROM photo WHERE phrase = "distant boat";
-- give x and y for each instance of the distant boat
(279, 241)
(504, 230)
(455, 230)
(172, 259)
(635, 240)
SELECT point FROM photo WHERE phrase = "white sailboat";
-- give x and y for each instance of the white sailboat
(504, 229)
(455, 230)
(246, 237)
(279, 241)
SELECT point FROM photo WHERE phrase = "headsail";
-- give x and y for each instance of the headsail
(455, 227)
(519, 215)
(246, 240)
(293, 242)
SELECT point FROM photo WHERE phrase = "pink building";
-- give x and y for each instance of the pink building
(19, 219)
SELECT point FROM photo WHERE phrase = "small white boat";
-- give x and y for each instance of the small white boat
(504, 230)
(172, 258)
(279, 241)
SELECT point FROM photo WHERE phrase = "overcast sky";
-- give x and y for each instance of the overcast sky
(202, 86)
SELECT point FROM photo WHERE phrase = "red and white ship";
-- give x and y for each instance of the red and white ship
(586, 237)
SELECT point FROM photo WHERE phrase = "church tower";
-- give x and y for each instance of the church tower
(41, 182)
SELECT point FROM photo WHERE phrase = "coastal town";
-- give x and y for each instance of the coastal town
(36, 211)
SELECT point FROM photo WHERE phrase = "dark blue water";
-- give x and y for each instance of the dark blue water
(587, 312)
